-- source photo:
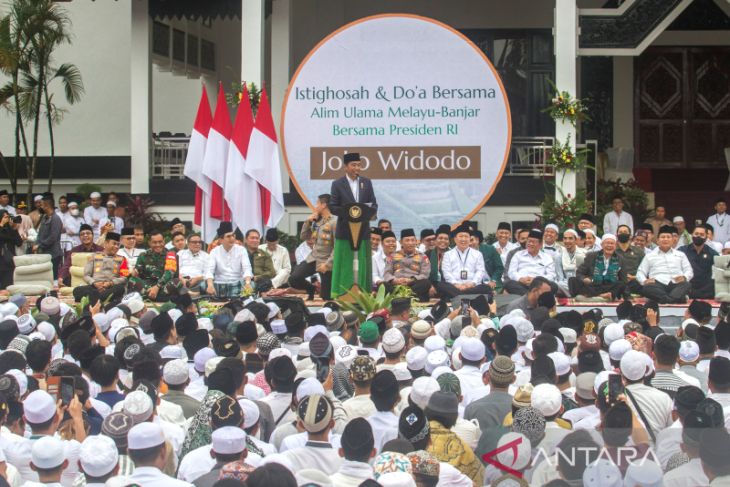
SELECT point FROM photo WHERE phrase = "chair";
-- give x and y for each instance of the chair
(721, 276)
(78, 262)
(33, 274)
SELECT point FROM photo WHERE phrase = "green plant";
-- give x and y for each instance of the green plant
(363, 303)
(564, 107)
(138, 212)
(566, 213)
(233, 98)
(636, 201)
(562, 157)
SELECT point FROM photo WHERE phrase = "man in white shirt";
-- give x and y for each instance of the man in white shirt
(303, 250)
(666, 272)
(148, 450)
(617, 217)
(385, 393)
(5, 202)
(462, 268)
(118, 223)
(128, 249)
(72, 221)
(193, 263)
(550, 239)
(720, 221)
(528, 264)
(93, 214)
(569, 258)
(503, 245)
(229, 268)
(389, 244)
(279, 256)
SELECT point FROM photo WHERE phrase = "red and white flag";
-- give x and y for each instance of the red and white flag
(194, 162)
(262, 164)
(216, 157)
(241, 191)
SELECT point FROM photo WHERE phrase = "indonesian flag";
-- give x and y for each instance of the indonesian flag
(241, 191)
(262, 164)
(216, 155)
(194, 165)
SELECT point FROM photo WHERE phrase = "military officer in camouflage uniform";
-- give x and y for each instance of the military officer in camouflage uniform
(408, 267)
(156, 270)
(106, 272)
(321, 227)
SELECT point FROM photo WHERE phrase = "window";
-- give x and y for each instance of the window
(525, 62)
(178, 45)
(192, 50)
(161, 39)
(207, 55)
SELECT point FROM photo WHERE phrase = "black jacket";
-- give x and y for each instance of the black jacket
(589, 263)
(341, 195)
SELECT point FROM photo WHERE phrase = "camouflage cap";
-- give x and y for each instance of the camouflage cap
(362, 368)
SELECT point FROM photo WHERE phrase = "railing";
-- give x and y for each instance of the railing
(527, 157)
(168, 156)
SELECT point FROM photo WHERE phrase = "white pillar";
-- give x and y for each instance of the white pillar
(565, 35)
(252, 41)
(280, 65)
(140, 97)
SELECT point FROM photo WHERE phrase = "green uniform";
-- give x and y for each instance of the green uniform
(155, 269)
(492, 264)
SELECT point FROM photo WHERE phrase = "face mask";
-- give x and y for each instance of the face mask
(74, 212)
(698, 241)
(623, 237)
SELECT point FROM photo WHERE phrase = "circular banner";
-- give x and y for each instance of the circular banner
(422, 105)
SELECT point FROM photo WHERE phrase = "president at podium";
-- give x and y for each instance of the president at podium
(353, 201)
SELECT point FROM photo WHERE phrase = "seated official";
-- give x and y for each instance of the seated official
(601, 273)
(504, 245)
(105, 271)
(388, 246)
(408, 267)
(569, 257)
(665, 273)
(436, 256)
(262, 267)
(176, 226)
(128, 248)
(550, 239)
(87, 245)
(193, 264)
(528, 264)
(701, 258)
(155, 270)
(320, 229)
(492, 261)
(521, 244)
(279, 257)
(427, 242)
(631, 256)
(463, 268)
(229, 268)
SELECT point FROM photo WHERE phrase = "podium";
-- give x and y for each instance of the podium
(347, 267)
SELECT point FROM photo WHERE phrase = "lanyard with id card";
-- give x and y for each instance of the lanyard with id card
(464, 273)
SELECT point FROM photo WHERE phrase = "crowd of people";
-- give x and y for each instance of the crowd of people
(664, 261)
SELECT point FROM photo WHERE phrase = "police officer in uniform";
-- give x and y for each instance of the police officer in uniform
(106, 272)
(321, 227)
(408, 267)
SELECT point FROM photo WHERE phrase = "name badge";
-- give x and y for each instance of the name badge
(464, 274)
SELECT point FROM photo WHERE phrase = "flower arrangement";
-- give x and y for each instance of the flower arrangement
(564, 107)
(565, 213)
(562, 157)
(233, 98)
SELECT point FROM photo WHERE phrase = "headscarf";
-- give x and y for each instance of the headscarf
(199, 432)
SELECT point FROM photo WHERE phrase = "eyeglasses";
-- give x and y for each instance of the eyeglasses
(196, 242)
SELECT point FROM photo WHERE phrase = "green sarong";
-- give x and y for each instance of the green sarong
(342, 276)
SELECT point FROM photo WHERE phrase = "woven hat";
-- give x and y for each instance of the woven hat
(501, 371)
(530, 422)
(421, 329)
(523, 396)
(266, 342)
(363, 368)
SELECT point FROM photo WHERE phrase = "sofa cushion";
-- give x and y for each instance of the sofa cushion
(30, 269)
(29, 259)
(79, 259)
(30, 288)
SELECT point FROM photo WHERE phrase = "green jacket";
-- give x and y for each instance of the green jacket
(263, 266)
(435, 275)
(155, 269)
(493, 264)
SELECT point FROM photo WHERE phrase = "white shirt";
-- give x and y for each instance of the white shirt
(503, 251)
(130, 255)
(612, 220)
(9, 208)
(116, 221)
(359, 406)
(301, 252)
(668, 443)
(321, 456)
(688, 474)
(72, 225)
(354, 187)
(279, 402)
(523, 264)
(193, 265)
(228, 267)
(721, 226)
(282, 264)
(663, 266)
(576, 414)
(656, 405)
(385, 428)
(465, 267)
(299, 440)
(19, 456)
(153, 477)
(472, 385)
(379, 260)
(93, 216)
